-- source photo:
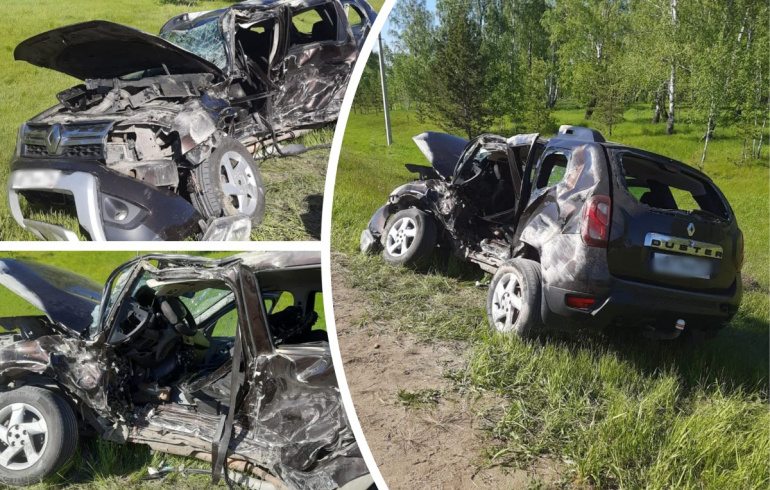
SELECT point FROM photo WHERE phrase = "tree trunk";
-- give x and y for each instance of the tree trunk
(553, 90)
(658, 102)
(672, 80)
(671, 95)
(761, 137)
(590, 108)
(709, 129)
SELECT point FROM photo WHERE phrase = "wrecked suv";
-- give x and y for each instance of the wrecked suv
(190, 356)
(579, 233)
(159, 141)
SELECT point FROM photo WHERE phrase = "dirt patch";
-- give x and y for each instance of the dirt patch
(422, 431)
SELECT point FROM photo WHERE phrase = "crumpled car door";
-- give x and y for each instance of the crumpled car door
(316, 67)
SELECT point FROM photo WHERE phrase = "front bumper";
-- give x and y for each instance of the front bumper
(109, 205)
(370, 237)
(636, 304)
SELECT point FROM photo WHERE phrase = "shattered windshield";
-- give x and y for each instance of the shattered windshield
(207, 302)
(203, 39)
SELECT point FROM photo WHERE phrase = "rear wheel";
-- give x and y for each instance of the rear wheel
(230, 184)
(409, 238)
(513, 301)
(38, 434)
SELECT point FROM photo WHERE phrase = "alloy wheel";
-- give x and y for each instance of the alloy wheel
(506, 303)
(23, 436)
(238, 182)
(401, 236)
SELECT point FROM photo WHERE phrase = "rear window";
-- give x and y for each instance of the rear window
(665, 187)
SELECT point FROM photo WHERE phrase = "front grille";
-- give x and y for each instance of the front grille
(35, 151)
(79, 151)
(83, 151)
(65, 140)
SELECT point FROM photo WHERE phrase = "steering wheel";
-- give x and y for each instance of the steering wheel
(177, 314)
(137, 316)
(476, 171)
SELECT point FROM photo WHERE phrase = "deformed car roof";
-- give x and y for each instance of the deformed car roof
(102, 49)
(65, 297)
(69, 299)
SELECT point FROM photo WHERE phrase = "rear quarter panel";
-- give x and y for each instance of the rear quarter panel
(550, 224)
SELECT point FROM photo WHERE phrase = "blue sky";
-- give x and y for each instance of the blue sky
(386, 36)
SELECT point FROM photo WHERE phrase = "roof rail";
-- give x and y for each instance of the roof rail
(580, 133)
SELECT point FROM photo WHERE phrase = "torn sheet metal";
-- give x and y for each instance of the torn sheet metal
(136, 378)
(240, 76)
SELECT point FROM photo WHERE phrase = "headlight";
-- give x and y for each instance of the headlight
(20, 138)
(228, 228)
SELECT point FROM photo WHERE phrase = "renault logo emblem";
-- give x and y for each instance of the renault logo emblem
(53, 139)
(691, 229)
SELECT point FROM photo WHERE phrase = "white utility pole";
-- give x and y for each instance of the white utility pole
(384, 93)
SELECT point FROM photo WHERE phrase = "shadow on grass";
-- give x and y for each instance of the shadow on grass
(734, 361)
(311, 219)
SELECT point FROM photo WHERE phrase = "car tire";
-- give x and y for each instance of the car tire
(513, 300)
(409, 238)
(22, 411)
(229, 184)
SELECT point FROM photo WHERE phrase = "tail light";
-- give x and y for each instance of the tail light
(595, 222)
(740, 250)
(581, 302)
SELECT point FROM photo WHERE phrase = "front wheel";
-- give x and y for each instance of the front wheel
(38, 434)
(230, 184)
(409, 238)
(513, 301)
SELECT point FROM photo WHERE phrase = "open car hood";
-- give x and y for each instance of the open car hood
(66, 298)
(101, 49)
(442, 150)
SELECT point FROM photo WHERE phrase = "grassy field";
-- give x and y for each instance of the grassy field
(618, 412)
(294, 186)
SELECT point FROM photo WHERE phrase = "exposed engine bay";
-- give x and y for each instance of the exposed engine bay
(161, 139)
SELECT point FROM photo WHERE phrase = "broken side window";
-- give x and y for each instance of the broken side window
(204, 304)
(552, 169)
(318, 306)
(355, 17)
(664, 187)
(259, 42)
(314, 25)
(203, 39)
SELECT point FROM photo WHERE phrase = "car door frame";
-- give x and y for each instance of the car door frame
(346, 51)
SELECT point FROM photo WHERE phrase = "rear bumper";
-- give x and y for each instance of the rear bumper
(632, 304)
(109, 206)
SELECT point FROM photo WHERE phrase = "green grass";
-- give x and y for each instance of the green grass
(618, 411)
(294, 188)
(419, 398)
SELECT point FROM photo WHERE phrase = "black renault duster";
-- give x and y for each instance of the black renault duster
(580, 233)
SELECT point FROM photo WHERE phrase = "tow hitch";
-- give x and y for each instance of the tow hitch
(657, 334)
